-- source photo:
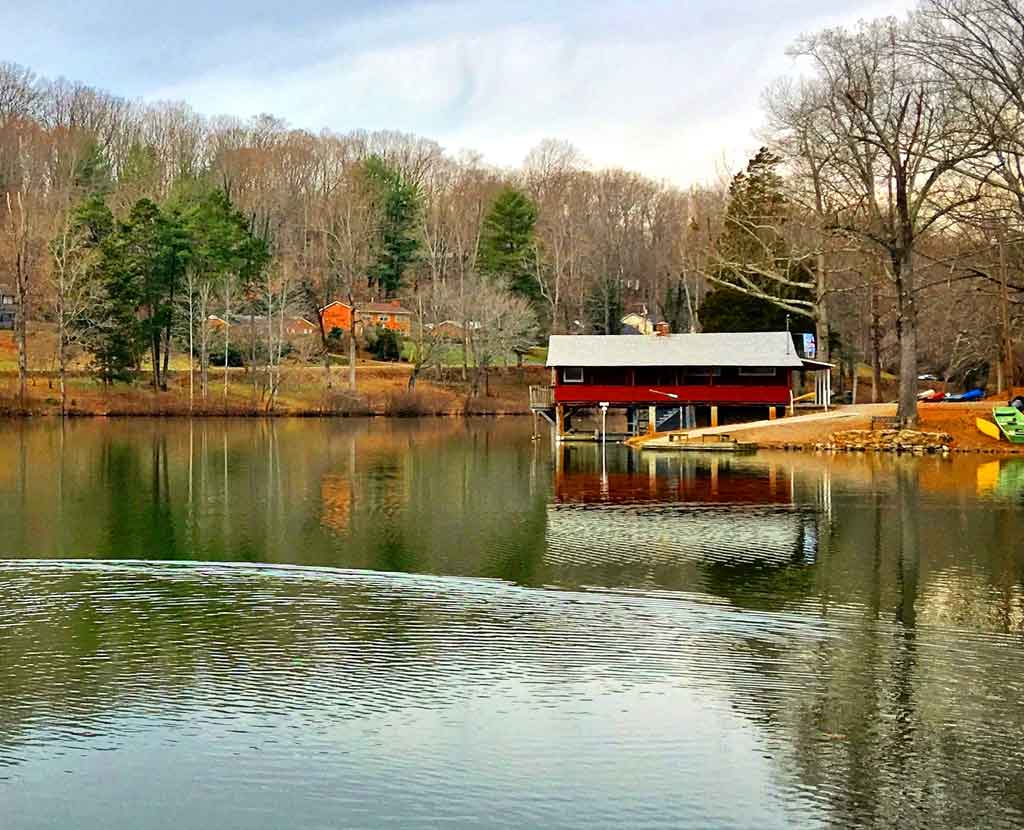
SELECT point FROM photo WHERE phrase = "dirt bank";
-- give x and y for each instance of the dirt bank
(955, 419)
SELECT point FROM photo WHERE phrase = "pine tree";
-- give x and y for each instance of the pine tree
(92, 171)
(508, 243)
(397, 244)
(752, 241)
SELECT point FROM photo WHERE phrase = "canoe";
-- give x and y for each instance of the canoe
(1011, 422)
(987, 427)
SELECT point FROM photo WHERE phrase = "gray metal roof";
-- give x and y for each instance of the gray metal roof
(758, 348)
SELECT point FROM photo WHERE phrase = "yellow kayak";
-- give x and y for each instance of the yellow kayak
(990, 429)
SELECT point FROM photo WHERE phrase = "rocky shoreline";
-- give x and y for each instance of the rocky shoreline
(888, 440)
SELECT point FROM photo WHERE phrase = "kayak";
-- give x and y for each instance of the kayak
(987, 427)
(969, 395)
(1011, 422)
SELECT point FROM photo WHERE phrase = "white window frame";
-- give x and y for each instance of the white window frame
(758, 372)
(565, 374)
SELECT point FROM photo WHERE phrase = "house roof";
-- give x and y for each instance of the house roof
(382, 308)
(371, 308)
(772, 348)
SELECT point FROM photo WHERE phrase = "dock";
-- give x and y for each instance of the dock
(729, 438)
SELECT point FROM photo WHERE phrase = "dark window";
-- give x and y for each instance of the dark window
(572, 374)
(757, 371)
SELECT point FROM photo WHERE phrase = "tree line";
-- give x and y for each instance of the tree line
(883, 214)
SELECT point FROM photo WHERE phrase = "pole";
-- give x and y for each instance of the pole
(1007, 337)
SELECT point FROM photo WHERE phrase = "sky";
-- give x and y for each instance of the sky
(670, 89)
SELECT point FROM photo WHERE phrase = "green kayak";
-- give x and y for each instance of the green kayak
(1011, 422)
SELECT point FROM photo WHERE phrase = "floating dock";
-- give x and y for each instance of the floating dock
(698, 442)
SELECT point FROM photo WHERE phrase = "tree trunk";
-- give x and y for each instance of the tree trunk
(352, 345)
(821, 311)
(326, 350)
(154, 357)
(906, 330)
(191, 348)
(876, 348)
(167, 357)
(62, 367)
(227, 335)
(204, 359)
(22, 332)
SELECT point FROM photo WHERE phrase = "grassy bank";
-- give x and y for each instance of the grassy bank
(381, 388)
(304, 391)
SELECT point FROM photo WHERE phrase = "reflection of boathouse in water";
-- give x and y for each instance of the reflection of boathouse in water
(663, 520)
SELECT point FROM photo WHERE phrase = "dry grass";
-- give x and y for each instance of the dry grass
(381, 390)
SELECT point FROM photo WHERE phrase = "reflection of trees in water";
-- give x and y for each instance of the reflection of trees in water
(887, 720)
(444, 496)
(896, 725)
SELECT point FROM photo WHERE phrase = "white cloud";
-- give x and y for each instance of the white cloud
(668, 89)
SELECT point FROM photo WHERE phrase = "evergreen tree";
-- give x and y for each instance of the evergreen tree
(727, 310)
(114, 335)
(397, 244)
(603, 307)
(92, 171)
(140, 172)
(508, 244)
(752, 244)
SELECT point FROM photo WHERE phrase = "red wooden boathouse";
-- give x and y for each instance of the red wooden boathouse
(663, 376)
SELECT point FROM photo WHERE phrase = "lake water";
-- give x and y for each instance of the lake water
(411, 624)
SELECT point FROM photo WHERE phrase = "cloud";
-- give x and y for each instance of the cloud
(666, 88)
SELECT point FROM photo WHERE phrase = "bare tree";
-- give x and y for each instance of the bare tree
(505, 324)
(434, 305)
(20, 95)
(895, 143)
(24, 253)
(76, 292)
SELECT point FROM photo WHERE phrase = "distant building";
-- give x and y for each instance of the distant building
(299, 327)
(8, 307)
(293, 326)
(637, 323)
(389, 315)
(449, 330)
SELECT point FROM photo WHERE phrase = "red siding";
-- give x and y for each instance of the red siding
(777, 393)
(337, 316)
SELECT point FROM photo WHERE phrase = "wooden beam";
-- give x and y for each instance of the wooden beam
(714, 416)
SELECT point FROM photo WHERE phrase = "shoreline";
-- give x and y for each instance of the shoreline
(382, 390)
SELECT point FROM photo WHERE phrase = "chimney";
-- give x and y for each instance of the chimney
(662, 329)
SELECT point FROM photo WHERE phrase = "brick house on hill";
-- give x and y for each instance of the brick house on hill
(389, 315)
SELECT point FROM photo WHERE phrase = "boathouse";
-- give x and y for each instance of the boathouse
(669, 381)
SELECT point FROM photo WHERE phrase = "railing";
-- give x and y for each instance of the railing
(541, 397)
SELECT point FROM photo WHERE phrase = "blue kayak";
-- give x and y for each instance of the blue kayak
(969, 395)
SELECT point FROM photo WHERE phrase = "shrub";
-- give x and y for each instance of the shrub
(384, 344)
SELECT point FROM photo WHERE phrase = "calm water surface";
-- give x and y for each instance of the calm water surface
(348, 624)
